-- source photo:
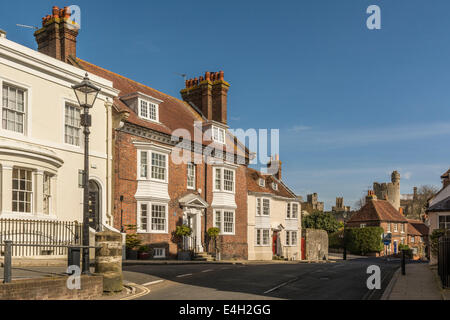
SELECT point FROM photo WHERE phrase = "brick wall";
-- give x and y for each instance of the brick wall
(125, 175)
(52, 289)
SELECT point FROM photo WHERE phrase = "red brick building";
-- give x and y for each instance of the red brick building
(176, 163)
(381, 213)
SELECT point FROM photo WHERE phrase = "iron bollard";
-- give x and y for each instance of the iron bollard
(8, 261)
(74, 257)
(403, 263)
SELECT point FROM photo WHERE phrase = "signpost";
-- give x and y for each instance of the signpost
(387, 239)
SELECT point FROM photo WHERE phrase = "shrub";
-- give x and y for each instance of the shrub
(132, 240)
(434, 240)
(213, 233)
(183, 231)
(144, 248)
(364, 240)
(336, 240)
(321, 220)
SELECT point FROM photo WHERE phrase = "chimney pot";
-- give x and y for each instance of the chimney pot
(55, 12)
(221, 75)
(207, 76)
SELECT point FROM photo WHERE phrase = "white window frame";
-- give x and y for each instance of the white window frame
(27, 107)
(222, 221)
(289, 237)
(47, 197)
(388, 228)
(290, 210)
(261, 211)
(32, 192)
(395, 227)
(402, 228)
(149, 217)
(80, 137)
(262, 182)
(149, 104)
(149, 165)
(412, 239)
(362, 225)
(159, 256)
(260, 238)
(221, 134)
(222, 179)
(193, 177)
(275, 186)
(446, 224)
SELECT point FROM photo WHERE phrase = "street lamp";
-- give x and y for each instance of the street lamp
(344, 257)
(86, 93)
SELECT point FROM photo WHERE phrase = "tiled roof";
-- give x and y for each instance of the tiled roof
(377, 210)
(443, 205)
(253, 177)
(418, 227)
(173, 113)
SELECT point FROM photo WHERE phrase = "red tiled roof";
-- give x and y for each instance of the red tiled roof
(377, 210)
(173, 113)
(419, 227)
(253, 177)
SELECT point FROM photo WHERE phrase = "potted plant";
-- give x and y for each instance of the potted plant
(213, 234)
(132, 242)
(182, 232)
(143, 252)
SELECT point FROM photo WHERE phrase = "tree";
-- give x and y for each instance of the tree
(321, 220)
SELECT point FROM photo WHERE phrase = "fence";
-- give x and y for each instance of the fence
(48, 237)
(444, 260)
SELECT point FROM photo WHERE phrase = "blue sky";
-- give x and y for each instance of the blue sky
(351, 104)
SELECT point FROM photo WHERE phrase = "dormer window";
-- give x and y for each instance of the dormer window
(275, 186)
(218, 134)
(148, 110)
(262, 182)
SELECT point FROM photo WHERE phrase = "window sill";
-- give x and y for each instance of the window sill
(152, 232)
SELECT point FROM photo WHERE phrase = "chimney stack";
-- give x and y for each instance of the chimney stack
(371, 196)
(209, 93)
(446, 179)
(274, 167)
(58, 36)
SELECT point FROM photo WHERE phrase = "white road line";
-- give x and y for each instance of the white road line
(280, 285)
(153, 282)
(184, 275)
(144, 292)
(209, 270)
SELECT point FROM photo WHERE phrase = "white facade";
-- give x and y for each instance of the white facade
(273, 230)
(41, 142)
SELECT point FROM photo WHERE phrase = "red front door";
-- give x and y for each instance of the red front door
(303, 249)
(274, 243)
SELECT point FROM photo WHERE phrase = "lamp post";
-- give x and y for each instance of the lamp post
(86, 93)
(344, 256)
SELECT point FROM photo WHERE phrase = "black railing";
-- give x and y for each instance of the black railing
(40, 238)
(444, 261)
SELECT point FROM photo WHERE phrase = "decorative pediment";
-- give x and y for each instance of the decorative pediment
(193, 200)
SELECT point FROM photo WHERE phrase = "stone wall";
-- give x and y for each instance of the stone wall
(316, 244)
(52, 289)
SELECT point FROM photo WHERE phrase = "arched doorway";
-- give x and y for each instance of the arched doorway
(94, 205)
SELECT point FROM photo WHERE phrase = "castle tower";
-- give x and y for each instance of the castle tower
(389, 191)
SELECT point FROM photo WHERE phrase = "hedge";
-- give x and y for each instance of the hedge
(364, 240)
(335, 240)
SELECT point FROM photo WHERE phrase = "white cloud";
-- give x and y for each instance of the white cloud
(407, 175)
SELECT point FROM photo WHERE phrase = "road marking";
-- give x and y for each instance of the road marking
(184, 275)
(281, 285)
(209, 270)
(153, 282)
(144, 292)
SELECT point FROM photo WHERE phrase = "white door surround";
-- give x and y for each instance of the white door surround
(192, 217)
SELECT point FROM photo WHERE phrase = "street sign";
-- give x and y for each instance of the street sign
(387, 238)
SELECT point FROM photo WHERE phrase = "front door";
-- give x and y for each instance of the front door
(275, 243)
(395, 247)
(94, 205)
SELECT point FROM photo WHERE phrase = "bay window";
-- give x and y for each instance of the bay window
(224, 220)
(224, 180)
(46, 194)
(152, 217)
(157, 163)
(22, 191)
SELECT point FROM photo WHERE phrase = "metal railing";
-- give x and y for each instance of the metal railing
(73, 255)
(444, 260)
(40, 238)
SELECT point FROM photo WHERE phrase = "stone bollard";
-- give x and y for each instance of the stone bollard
(108, 260)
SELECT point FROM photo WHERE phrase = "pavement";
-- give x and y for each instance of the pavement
(242, 280)
(419, 283)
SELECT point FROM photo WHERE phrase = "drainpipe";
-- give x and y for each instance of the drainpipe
(206, 199)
